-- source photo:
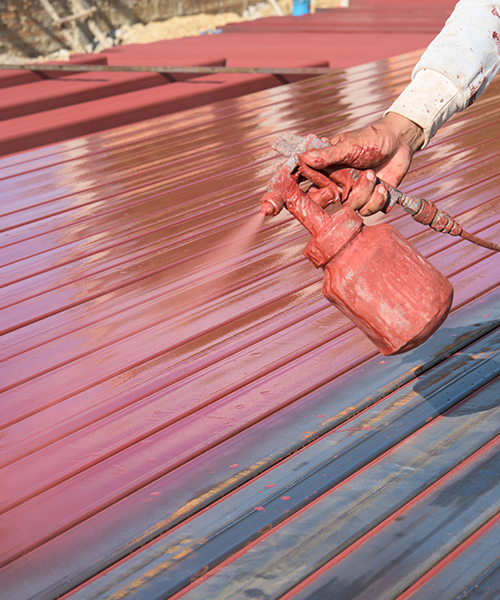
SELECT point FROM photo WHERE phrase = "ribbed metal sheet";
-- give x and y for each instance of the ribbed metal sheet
(42, 108)
(237, 426)
(332, 523)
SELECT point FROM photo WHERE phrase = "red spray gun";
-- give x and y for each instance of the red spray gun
(422, 210)
(372, 273)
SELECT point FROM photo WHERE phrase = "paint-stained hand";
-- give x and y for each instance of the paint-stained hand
(383, 150)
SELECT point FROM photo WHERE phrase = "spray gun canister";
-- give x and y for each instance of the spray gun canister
(372, 274)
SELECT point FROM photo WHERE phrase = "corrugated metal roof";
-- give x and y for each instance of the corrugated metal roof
(47, 107)
(179, 424)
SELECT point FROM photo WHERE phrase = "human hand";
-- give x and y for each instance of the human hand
(383, 150)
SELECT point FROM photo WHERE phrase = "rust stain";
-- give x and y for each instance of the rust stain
(387, 412)
(200, 573)
(265, 529)
(184, 553)
(223, 486)
(152, 573)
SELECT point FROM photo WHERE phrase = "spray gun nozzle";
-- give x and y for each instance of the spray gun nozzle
(271, 204)
(268, 210)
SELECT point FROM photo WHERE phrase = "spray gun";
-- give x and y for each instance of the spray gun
(371, 273)
(422, 210)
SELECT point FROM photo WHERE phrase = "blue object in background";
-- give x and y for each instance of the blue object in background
(300, 7)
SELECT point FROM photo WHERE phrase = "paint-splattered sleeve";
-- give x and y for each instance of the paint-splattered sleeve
(455, 69)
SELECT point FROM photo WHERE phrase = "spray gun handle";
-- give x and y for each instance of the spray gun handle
(422, 210)
(292, 146)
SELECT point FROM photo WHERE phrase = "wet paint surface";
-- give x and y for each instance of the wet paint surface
(67, 106)
(135, 360)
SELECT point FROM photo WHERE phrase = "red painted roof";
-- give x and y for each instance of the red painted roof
(38, 109)
(179, 424)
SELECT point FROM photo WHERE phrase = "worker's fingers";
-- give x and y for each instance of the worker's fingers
(319, 179)
(331, 155)
(344, 179)
(361, 191)
(318, 159)
(377, 202)
(324, 196)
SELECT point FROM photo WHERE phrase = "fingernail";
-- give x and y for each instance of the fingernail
(370, 175)
(311, 154)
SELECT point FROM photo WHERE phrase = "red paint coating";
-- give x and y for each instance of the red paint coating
(70, 121)
(496, 38)
(389, 18)
(15, 77)
(318, 40)
(78, 88)
(106, 366)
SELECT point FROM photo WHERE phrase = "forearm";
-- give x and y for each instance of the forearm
(456, 67)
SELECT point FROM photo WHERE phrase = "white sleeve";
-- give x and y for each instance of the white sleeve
(455, 69)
